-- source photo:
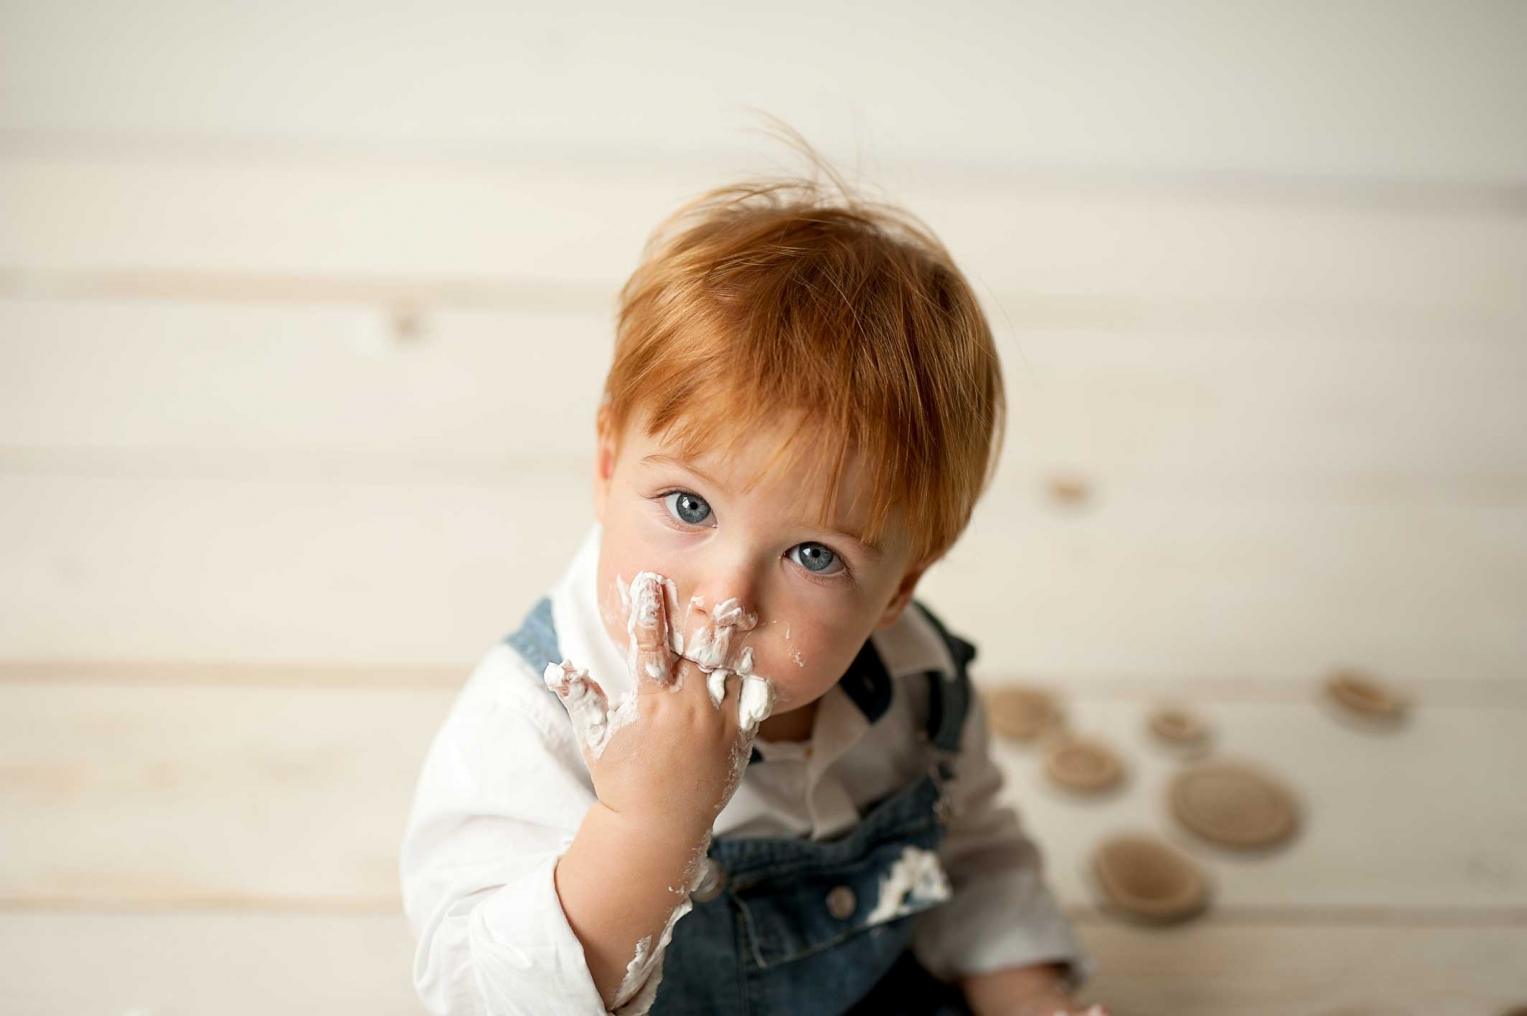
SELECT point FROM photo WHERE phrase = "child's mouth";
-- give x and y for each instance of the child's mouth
(710, 648)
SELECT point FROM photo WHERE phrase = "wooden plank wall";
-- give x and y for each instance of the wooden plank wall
(301, 330)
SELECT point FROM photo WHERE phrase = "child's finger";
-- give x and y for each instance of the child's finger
(755, 701)
(570, 682)
(584, 701)
(652, 652)
(671, 610)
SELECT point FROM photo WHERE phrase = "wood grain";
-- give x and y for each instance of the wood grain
(583, 226)
(1423, 817)
(242, 964)
(425, 573)
(173, 796)
(1213, 969)
(1358, 409)
(233, 963)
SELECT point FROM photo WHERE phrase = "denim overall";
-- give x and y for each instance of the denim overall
(779, 926)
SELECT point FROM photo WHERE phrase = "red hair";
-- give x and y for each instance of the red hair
(784, 300)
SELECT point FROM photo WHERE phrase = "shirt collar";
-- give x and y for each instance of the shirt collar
(581, 635)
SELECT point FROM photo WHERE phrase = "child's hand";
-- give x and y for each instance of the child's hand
(668, 756)
(1024, 991)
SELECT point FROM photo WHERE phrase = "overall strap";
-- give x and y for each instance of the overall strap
(948, 694)
(536, 640)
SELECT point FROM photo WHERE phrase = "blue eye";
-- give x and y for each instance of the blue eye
(686, 507)
(816, 558)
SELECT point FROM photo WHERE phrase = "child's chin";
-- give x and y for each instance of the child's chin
(792, 695)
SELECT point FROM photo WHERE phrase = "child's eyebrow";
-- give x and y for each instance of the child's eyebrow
(870, 547)
(668, 460)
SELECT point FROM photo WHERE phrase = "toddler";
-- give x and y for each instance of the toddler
(729, 765)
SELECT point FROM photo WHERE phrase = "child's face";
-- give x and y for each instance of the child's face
(817, 593)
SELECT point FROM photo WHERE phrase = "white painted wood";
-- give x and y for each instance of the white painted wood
(305, 571)
(1210, 969)
(251, 964)
(1365, 89)
(173, 795)
(176, 796)
(229, 963)
(425, 572)
(475, 388)
(1426, 816)
(1366, 409)
(1257, 276)
(374, 676)
(275, 674)
(1156, 585)
(582, 224)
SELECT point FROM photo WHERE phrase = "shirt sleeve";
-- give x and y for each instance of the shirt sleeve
(1000, 912)
(502, 792)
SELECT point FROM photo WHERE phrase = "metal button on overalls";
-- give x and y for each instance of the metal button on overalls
(712, 880)
(841, 902)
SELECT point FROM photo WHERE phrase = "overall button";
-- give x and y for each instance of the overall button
(712, 880)
(841, 902)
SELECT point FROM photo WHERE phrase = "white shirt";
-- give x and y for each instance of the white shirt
(504, 789)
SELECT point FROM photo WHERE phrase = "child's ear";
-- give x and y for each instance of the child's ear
(902, 597)
(604, 463)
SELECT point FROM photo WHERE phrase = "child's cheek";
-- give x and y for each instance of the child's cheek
(614, 618)
(614, 605)
(798, 673)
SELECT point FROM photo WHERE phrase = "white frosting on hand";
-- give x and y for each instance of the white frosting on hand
(652, 602)
(595, 721)
(709, 646)
(715, 683)
(755, 703)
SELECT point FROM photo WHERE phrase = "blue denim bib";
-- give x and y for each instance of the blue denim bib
(781, 925)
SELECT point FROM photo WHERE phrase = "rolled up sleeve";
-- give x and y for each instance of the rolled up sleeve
(1000, 912)
(502, 792)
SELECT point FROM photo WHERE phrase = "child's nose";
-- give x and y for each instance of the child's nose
(724, 611)
(727, 600)
(732, 613)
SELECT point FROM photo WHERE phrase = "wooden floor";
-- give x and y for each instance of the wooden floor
(248, 964)
(230, 848)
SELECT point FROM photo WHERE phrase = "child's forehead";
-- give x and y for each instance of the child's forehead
(762, 460)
